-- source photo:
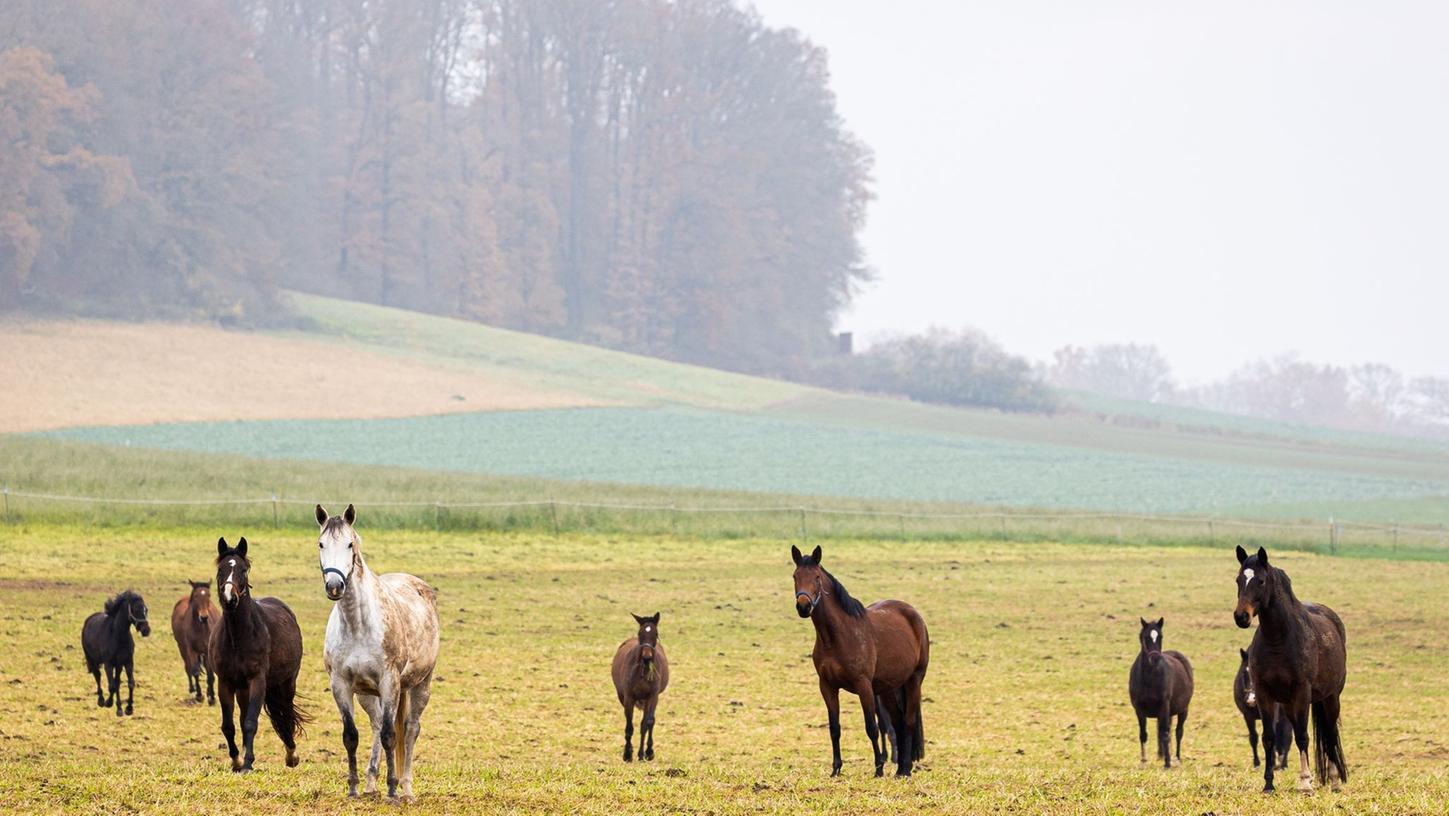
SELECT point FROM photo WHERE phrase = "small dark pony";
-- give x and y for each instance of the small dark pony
(192, 620)
(641, 673)
(106, 640)
(1299, 660)
(1247, 702)
(1160, 686)
(257, 651)
(878, 652)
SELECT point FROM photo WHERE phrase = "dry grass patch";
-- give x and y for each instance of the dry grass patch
(69, 374)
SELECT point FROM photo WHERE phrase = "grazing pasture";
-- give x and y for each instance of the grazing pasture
(1026, 702)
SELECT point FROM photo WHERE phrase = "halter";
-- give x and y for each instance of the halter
(340, 574)
(132, 616)
(819, 593)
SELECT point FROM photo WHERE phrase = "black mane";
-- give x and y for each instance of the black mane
(119, 602)
(851, 606)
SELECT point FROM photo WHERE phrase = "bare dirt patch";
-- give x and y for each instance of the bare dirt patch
(69, 374)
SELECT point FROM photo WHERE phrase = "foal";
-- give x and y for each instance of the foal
(192, 620)
(382, 646)
(1299, 660)
(1160, 686)
(878, 652)
(641, 673)
(1247, 702)
(106, 640)
(256, 652)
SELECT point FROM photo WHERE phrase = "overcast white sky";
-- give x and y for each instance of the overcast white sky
(1228, 180)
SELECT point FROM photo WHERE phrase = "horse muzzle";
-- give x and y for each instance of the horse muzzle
(804, 604)
(1243, 618)
(334, 582)
(144, 628)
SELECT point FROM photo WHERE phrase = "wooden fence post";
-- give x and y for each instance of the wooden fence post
(553, 511)
(274, 508)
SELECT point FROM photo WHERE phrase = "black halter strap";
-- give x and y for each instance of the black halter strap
(340, 574)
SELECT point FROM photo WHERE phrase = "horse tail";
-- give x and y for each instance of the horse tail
(282, 709)
(1325, 734)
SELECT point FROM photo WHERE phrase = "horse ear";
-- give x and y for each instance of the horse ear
(1242, 554)
(321, 516)
(221, 546)
(241, 547)
(1159, 622)
(816, 555)
(1144, 622)
(349, 515)
(795, 554)
(656, 617)
(1262, 557)
(637, 619)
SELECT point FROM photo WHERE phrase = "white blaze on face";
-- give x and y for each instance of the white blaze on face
(648, 629)
(1247, 576)
(1153, 635)
(227, 586)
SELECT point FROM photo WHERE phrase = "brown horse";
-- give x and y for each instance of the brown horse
(256, 652)
(874, 652)
(192, 620)
(641, 673)
(1160, 687)
(1299, 661)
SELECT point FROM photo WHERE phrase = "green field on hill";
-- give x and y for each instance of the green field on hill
(1025, 701)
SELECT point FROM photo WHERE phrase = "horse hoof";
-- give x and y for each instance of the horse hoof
(242, 770)
(292, 760)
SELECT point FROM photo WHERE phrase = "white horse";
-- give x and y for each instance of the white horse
(382, 645)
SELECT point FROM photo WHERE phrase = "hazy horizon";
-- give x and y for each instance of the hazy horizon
(1228, 182)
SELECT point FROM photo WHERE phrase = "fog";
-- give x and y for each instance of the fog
(1228, 180)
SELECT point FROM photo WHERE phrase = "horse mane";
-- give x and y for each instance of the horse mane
(1283, 585)
(115, 604)
(851, 606)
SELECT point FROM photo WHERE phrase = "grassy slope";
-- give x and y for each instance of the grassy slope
(1026, 697)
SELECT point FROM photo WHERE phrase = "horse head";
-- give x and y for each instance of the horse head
(232, 568)
(131, 605)
(809, 581)
(200, 601)
(1255, 586)
(1249, 696)
(338, 549)
(1150, 636)
(648, 637)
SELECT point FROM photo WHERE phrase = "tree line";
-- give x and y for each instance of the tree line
(664, 176)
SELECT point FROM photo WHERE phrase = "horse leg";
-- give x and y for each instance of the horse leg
(228, 728)
(100, 697)
(1181, 719)
(373, 707)
(210, 681)
(1164, 750)
(113, 675)
(867, 704)
(418, 697)
(1253, 737)
(1142, 735)
(646, 728)
(130, 685)
(389, 698)
(629, 730)
(342, 695)
(1270, 736)
(1300, 736)
(906, 747)
(832, 707)
(250, 703)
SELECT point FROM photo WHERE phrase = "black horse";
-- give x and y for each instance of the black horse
(1299, 660)
(1247, 701)
(256, 651)
(1160, 686)
(106, 639)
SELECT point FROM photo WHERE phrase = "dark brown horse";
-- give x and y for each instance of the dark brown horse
(257, 651)
(192, 620)
(1160, 686)
(106, 640)
(641, 673)
(874, 652)
(1246, 700)
(1299, 660)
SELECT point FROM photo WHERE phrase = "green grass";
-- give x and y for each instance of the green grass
(1026, 696)
(712, 450)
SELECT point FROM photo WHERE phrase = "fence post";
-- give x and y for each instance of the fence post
(553, 512)
(901, 524)
(437, 516)
(1211, 538)
(804, 532)
(1003, 526)
(274, 508)
(674, 521)
(1396, 536)
(6, 491)
(1119, 528)
(1332, 536)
